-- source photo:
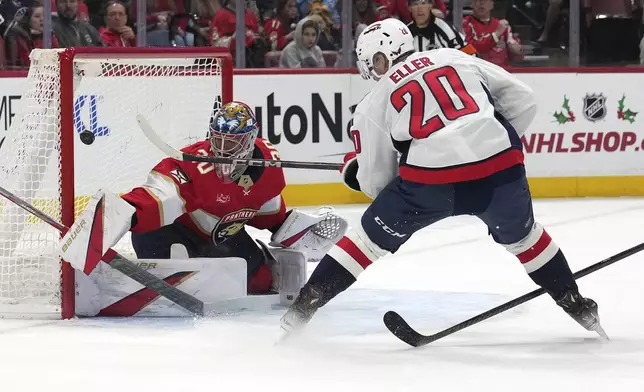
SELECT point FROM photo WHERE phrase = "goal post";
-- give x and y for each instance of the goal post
(96, 92)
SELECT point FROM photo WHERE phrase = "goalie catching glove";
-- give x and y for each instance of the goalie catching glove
(313, 235)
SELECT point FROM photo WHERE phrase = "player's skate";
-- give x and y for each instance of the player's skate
(582, 310)
(300, 312)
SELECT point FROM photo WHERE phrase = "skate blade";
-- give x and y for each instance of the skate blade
(600, 331)
(283, 338)
(286, 337)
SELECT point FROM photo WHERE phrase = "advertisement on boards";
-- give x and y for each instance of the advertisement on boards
(305, 116)
(10, 101)
(587, 124)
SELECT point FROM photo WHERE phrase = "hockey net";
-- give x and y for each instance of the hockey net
(44, 162)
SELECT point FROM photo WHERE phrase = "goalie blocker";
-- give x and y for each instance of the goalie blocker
(211, 279)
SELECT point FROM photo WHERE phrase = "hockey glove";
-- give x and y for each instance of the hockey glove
(313, 234)
(350, 171)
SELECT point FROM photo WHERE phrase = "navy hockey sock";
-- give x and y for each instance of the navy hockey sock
(329, 279)
(555, 276)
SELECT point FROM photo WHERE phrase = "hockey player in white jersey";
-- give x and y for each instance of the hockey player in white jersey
(438, 136)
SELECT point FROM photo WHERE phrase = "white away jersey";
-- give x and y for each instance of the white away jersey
(439, 117)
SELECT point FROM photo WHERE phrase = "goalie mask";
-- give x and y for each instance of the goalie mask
(232, 134)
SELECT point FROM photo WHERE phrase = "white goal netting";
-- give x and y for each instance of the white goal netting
(177, 94)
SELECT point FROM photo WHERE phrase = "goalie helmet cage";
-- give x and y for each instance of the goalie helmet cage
(44, 160)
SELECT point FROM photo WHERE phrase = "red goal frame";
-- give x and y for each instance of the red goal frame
(67, 136)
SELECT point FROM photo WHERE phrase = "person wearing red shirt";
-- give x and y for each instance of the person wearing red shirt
(222, 30)
(492, 38)
(117, 34)
(161, 15)
(400, 9)
(280, 29)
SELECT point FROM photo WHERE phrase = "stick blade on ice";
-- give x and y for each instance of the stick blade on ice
(403, 331)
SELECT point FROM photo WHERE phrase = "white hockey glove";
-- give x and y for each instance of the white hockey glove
(104, 221)
(312, 234)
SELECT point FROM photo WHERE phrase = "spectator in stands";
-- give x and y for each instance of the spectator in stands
(354, 56)
(11, 11)
(268, 9)
(223, 33)
(304, 8)
(2, 60)
(364, 12)
(552, 15)
(82, 14)
(382, 11)
(400, 9)
(431, 32)
(203, 12)
(163, 16)
(330, 36)
(72, 32)
(303, 51)
(117, 33)
(252, 5)
(613, 36)
(25, 36)
(492, 38)
(280, 30)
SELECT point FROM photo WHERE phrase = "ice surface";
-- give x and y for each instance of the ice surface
(443, 275)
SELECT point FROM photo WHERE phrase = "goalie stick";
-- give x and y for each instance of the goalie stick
(403, 331)
(121, 264)
(180, 156)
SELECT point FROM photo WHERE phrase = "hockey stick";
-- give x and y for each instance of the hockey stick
(121, 264)
(403, 331)
(178, 155)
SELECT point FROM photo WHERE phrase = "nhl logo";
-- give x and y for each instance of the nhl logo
(595, 107)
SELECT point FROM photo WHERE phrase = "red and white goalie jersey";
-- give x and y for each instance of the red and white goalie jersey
(191, 193)
(440, 116)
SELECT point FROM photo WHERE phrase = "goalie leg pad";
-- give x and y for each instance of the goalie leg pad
(289, 273)
(312, 234)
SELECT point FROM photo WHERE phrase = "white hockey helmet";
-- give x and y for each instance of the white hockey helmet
(390, 37)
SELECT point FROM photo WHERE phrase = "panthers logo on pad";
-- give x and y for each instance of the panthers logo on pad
(231, 224)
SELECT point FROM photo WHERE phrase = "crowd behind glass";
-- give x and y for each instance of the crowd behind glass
(311, 33)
